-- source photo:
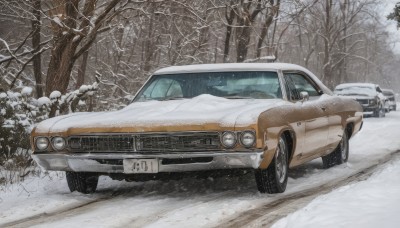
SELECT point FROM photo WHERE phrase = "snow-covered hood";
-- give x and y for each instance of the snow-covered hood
(355, 97)
(187, 114)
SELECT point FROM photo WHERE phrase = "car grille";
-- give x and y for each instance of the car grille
(184, 142)
(104, 143)
(162, 142)
(362, 101)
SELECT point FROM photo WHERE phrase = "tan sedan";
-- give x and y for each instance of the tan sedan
(262, 117)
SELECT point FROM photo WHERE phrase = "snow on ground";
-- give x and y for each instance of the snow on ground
(208, 202)
(371, 203)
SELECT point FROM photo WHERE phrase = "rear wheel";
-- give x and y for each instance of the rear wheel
(274, 178)
(82, 182)
(339, 155)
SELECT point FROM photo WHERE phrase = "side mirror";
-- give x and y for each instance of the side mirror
(304, 96)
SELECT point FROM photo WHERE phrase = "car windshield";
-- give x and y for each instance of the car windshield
(388, 93)
(232, 85)
(355, 91)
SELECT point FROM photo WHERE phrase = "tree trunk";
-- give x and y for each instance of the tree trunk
(243, 40)
(343, 65)
(37, 62)
(60, 68)
(244, 20)
(269, 18)
(327, 67)
(227, 43)
(149, 42)
(267, 24)
(229, 28)
(82, 70)
(62, 55)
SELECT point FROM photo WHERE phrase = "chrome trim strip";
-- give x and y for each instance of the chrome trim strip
(136, 138)
(89, 162)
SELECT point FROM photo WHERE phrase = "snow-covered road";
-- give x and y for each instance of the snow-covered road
(46, 201)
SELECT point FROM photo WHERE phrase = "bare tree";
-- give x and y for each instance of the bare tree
(74, 29)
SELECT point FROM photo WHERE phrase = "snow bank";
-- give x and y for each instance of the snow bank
(26, 91)
(55, 95)
(371, 203)
(43, 101)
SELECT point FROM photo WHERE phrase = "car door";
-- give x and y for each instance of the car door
(313, 113)
(382, 97)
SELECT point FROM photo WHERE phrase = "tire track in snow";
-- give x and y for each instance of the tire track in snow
(156, 215)
(99, 203)
(44, 215)
(267, 214)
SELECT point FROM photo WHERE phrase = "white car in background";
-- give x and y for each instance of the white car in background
(369, 96)
(391, 100)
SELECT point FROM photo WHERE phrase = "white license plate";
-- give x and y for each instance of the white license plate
(140, 165)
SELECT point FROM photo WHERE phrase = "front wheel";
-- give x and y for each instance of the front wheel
(379, 112)
(82, 182)
(274, 178)
(339, 155)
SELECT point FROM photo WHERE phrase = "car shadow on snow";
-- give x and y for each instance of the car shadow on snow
(306, 169)
(186, 185)
(198, 184)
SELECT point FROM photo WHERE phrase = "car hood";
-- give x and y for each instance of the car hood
(358, 97)
(204, 112)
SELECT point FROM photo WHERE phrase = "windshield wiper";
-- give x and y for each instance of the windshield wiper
(172, 98)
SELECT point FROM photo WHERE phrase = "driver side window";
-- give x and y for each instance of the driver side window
(296, 83)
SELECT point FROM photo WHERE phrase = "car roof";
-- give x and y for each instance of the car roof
(346, 85)
(228, 67)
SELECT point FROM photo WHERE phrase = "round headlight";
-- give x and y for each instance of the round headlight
(58, 143)
(247, 138)
(228, 139)
(42, 143)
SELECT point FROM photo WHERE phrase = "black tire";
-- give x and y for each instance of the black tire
(274, 179)
(340, 155)
(394, 108)
(82, 182)
(379, 112)
(376, 113)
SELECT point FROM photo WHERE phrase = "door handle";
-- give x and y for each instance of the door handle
(323, 109)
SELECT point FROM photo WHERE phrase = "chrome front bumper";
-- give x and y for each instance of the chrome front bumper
(86, 162)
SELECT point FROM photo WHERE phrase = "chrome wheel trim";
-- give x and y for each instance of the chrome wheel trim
(344, 145)
(281, 161)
